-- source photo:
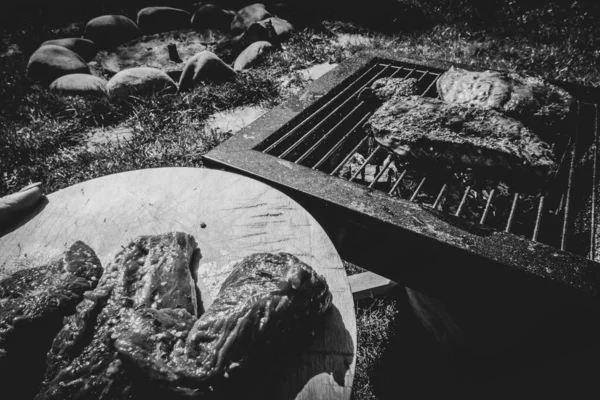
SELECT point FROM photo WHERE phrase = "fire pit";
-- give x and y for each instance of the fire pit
(314, 148)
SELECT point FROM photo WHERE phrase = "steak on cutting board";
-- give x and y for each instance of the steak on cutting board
(33, 303)
(447, 134)
(541, 106)
(151, 273)
(262, 304)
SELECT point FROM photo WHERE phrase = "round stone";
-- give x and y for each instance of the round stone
(50, 62)
(109, 31)
(210, 16)
(162, 19)
(204, 66)
(84, 47)
(142, 80)
(79, 84)
(251, 55)
(247, 16)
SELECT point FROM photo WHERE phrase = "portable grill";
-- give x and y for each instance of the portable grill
(467, 230)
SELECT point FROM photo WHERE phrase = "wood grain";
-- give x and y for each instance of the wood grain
(230, 216)
(367, 284)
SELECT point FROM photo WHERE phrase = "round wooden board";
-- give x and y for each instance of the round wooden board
(230, 216)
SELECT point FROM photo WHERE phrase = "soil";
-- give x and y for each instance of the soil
(151, 51)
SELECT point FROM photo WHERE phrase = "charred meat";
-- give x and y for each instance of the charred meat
(539, 105)
(453, 135)
(33, 303)
(386, 88)
(151, 273)
(265, 298)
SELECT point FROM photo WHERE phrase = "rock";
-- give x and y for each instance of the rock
(50, 62)
(204, 66)
(162, 19)
(84, 47)
(251, 54)
(141, 80)
(210, 16)
(247, 16)
(109, 31)
(82, 84)
(259, 31)
(282, 27)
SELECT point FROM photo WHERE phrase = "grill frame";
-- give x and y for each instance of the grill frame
(368, 227)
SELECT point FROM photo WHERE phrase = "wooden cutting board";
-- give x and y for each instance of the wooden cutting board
(230, 216)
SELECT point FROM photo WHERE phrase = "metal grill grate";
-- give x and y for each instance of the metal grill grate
(331, 140)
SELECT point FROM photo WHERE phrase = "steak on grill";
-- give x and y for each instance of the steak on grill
(449, 134)
(33, 303)
(384, 89)
(264, 299)
(152, 273)
(539, 105)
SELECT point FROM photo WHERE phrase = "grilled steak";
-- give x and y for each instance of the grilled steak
(386, 88)
(449, 134)
(265, 298)
(540, 106)
(33, 303)
(151, 273)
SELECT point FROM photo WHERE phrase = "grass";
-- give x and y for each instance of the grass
(42, 135)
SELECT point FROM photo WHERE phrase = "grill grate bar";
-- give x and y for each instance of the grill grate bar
(397, 183)
(592, 255)
(560, 204)
(350, 98)
(423, 75)
(513, 210)
(462, 201)
(325, 106)
(418, 189)
(328, 134)
(345, 160)
(431, 85)
(412, 71)
(567, 204)
(359, 124)
(381, 172)
(364, 164)
(436, 203)
(487, 206)
(396, 71)
(538, 220)
(341, 142)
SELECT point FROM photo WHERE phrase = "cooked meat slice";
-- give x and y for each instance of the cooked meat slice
(448, 134)
(384, 89)
(539, 105)
(265, 298)
(150, 273)
(33, 303)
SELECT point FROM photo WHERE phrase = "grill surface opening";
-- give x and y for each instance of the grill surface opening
(329, 137)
